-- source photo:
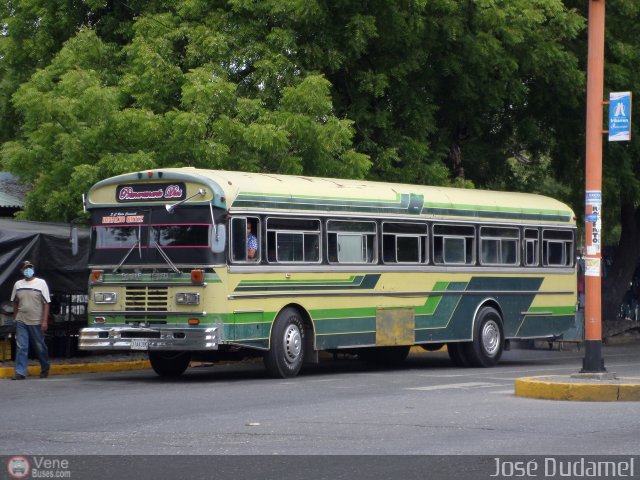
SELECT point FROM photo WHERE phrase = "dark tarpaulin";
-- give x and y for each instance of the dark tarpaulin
(48, 247)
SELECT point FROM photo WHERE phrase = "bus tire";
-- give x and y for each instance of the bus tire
(488, 339)
(457, 354)
(169, 364)
(286, 355)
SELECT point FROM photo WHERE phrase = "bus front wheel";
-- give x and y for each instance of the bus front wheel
(488, 339)
(169, 364)
(286, 355)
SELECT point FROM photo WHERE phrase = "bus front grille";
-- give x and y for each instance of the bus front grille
(146, 299)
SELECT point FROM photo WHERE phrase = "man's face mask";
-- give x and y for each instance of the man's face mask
(28, 272)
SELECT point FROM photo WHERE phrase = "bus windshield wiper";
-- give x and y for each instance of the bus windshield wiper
(166, 258)
(126, 255)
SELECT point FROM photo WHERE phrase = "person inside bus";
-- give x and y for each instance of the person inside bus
(252, 244)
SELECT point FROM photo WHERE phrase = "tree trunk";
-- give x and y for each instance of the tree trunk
(620, 274)
(455, 157)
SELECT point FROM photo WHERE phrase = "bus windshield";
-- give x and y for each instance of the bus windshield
(184, 238)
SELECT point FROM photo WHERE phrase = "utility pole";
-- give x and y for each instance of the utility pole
(593, 361)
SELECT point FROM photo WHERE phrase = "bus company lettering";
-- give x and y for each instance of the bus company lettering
(168, 193)
(127, 219)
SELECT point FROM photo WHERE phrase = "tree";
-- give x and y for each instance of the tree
(98, 110)
(435, 92)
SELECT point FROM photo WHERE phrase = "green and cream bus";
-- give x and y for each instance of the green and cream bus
(337, 265)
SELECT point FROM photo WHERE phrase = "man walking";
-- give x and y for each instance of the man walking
(30, 299)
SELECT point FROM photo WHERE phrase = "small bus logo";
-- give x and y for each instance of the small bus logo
(18, 467)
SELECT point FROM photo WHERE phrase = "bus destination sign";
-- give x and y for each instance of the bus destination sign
(153, 191)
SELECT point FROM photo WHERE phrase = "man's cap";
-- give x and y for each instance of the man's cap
(26, 264)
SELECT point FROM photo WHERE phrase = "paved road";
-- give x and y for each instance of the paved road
(339, 407)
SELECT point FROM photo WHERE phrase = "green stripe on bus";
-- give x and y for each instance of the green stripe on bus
(358, 282)
(568, 310)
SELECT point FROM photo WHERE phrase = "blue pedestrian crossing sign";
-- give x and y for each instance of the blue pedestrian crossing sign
(619, 116)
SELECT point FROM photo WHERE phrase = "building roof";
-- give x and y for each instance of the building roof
(12, 192)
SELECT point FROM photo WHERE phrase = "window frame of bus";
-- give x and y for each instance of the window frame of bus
(304, 232)
(423, 242)
(232, 243)
(449, 236)
(567, 247)
(352, 233)
(527, 240)
(496, 238)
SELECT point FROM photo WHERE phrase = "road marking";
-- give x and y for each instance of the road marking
(502, 392)
(463, 386)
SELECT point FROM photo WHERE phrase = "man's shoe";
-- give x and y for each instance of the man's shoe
(44, 373)
(17, 376)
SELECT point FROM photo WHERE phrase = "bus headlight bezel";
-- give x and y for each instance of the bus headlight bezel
(105, 297)
(187, 298)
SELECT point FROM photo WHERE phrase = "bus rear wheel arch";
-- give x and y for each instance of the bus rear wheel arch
(288, 345)
(485, 350)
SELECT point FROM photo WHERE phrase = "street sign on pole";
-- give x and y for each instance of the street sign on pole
(619, 116)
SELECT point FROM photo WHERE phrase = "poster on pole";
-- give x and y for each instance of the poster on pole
(619, 116)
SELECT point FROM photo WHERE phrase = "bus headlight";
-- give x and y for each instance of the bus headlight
(105, 297)
(187, 298)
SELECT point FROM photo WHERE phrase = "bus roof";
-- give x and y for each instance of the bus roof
(244, 191)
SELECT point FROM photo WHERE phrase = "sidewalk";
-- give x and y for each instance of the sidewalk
(112, 362)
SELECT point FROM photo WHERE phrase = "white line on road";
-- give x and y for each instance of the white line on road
(465, 385)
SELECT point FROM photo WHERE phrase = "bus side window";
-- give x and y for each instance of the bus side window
(404, 242)
(241, 240)
(351, 241)
(453, 244)
(557, 248)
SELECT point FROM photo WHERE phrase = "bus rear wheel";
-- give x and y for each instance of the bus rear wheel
(488, 339)
(169, 364)
(286, 355)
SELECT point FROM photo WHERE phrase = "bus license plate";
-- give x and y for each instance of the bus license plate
(139, 344)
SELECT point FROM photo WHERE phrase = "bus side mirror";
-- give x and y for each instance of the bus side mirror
(218, 238)
(74, 240)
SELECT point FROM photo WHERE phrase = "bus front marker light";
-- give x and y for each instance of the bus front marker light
(99, 320)
(97, 276)
(197, 276)
(194, 321)
(187, 298)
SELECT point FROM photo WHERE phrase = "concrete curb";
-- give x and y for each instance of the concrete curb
(67, 369)
(564, 387)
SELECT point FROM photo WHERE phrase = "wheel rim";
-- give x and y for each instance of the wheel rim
(491, 338)
(292, 343)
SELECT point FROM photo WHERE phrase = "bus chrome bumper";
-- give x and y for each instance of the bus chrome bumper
(143, 338)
